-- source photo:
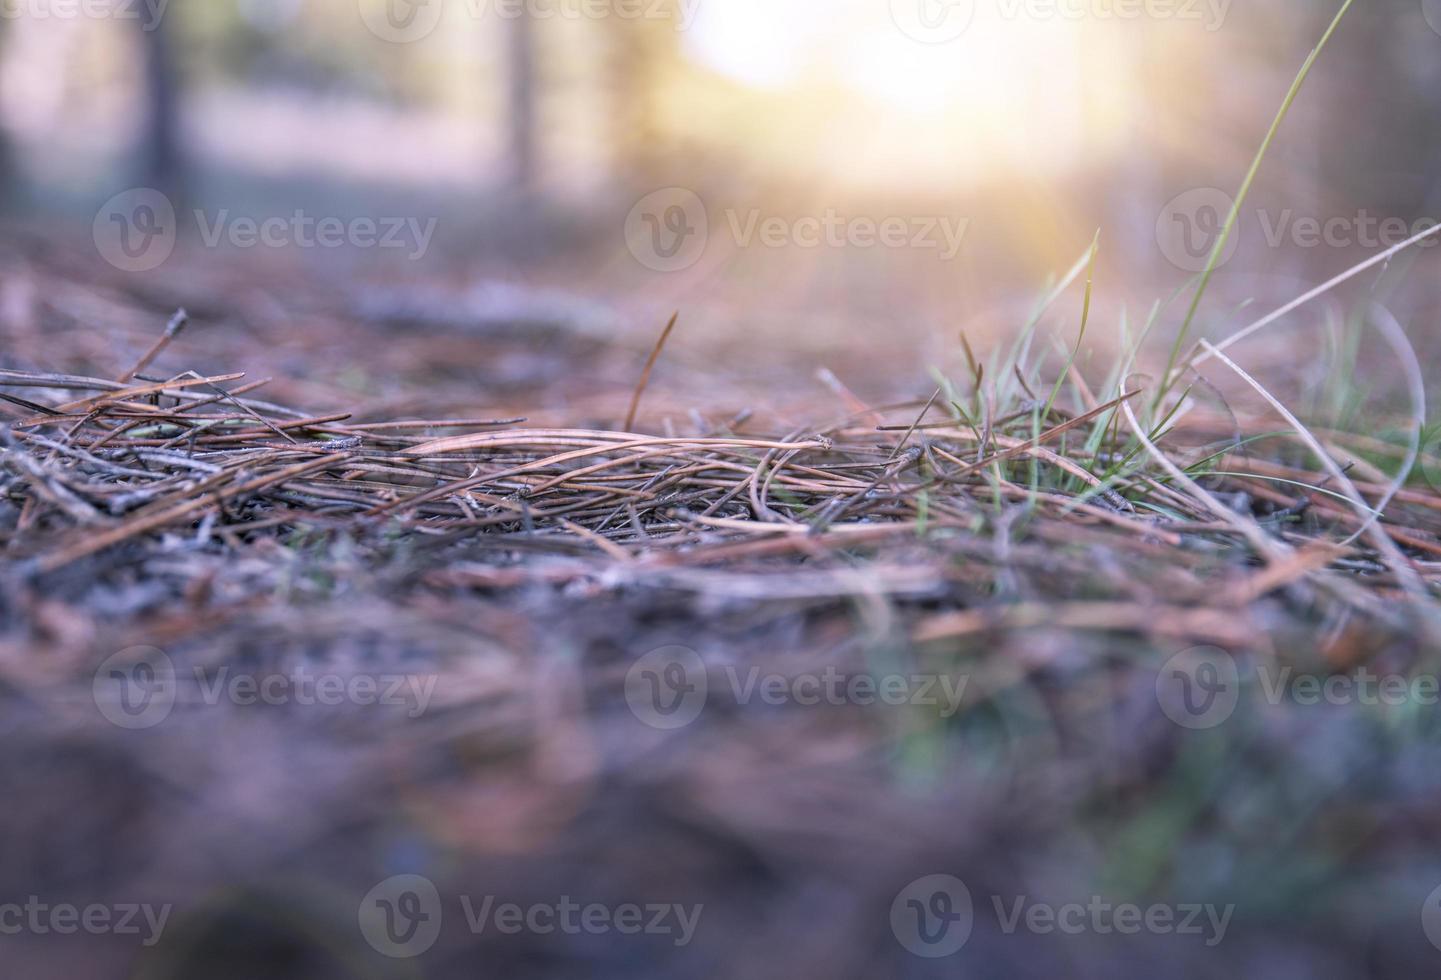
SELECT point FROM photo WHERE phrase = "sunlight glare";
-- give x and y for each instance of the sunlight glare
(1007, 95)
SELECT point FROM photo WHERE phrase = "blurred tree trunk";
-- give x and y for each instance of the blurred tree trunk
(8, 172)
(641, 51)
(1379, 91)
(161, 164)
(521, 114)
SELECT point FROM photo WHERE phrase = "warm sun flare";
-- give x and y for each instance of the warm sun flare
(1009, 94)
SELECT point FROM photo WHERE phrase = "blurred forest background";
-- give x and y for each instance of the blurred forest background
(530, 134)
(529, 137)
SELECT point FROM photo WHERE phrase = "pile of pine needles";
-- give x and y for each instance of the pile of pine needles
(1006, 499)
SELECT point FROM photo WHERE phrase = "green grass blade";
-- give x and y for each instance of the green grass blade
(1219, 248)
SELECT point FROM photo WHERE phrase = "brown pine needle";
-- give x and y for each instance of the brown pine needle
(172, 330)
(912, 430)
(645, 374)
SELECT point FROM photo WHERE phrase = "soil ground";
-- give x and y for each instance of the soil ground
(519, 760)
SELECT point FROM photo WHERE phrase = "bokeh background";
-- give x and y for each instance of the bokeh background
(563, 176)
(541, 145)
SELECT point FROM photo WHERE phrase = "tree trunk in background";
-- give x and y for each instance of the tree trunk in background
(628, 129)
(640, 53)
(8, 173)
(161, 165)
(1379, 88)
(521, 111)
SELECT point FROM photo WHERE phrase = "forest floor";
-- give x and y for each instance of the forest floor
(322, 609)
